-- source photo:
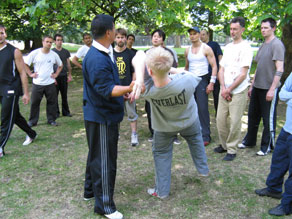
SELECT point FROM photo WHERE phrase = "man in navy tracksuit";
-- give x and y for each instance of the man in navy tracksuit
(103, 108)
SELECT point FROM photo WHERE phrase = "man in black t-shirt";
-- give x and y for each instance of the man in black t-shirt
(63, 78)
(204, 36)
(123, 57)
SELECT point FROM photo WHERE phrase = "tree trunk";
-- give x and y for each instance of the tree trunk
(177, 43)
(210, 21)
(27, 45)
(36, 43)
(287, 40)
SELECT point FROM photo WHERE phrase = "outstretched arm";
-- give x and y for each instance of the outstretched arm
(139, 65)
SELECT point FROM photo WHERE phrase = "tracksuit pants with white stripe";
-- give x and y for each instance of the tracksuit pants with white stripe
(9, 115)
(260, 108)
(101, 165)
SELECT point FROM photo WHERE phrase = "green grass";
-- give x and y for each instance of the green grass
(45, 179)
(71, 47)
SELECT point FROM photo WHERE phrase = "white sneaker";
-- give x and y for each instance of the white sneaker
(115, 215)
(1, 152)
(152, 192)
(260, 153)
(203, 174)
(134, 139)
(28, 140)
(241, 146)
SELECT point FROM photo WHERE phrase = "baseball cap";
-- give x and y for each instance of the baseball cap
(195, 29)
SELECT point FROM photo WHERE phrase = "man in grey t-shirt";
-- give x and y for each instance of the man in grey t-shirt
(174, 110)
(264, 89)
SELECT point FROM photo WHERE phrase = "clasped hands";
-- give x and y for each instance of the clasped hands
(136, 87)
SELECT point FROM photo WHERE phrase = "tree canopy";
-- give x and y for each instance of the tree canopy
(31, 19)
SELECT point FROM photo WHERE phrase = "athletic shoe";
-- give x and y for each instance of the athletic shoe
(266, 192)
(88, 198)
(220, 149)
(30, 124)
(1, 153)
(28, 140)
(277, 211)
(150, 139)
(176, 141)
(53, 123)
(206, 143)
(152, 192)
(241, 146)
(260, 153)
(115, 215)
(134, 139)
(229, 157)
(203, 174)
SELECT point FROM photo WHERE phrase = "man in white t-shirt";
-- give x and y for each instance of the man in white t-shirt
(233, 76)
(43, 82)
(82, 51)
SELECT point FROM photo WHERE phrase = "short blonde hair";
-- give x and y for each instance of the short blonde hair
(159, 60)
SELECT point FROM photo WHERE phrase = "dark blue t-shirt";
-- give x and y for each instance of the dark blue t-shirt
(217, 51)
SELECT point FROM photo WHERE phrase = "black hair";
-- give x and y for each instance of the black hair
(160, 33)
(239, 20)
(271, 21)
(58, 35)
(100, 24)
(85, 34)
(132, 35)
(2, 26)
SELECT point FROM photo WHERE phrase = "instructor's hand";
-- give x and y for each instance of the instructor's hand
(138, 88)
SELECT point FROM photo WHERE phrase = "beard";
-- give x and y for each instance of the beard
(121, 44)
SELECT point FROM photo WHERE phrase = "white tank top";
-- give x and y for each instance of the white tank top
(198, 63)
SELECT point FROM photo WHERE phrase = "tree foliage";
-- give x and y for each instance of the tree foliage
(31, 19)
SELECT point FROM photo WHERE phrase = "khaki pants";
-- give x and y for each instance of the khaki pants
(229, 120)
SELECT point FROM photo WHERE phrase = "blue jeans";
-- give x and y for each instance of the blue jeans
(162, 153)
(281, 163)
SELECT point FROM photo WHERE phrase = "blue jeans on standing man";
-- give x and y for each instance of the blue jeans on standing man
(281, 163)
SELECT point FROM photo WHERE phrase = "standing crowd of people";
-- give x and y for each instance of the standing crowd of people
(176, 101)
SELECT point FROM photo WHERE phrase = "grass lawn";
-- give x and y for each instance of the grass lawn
(45, 179)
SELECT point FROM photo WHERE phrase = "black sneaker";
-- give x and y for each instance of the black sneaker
(220, 149)
(229, 157)
(30, 124)
(53, 123)
(277, 211)
(266, 192)
(88, 197)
